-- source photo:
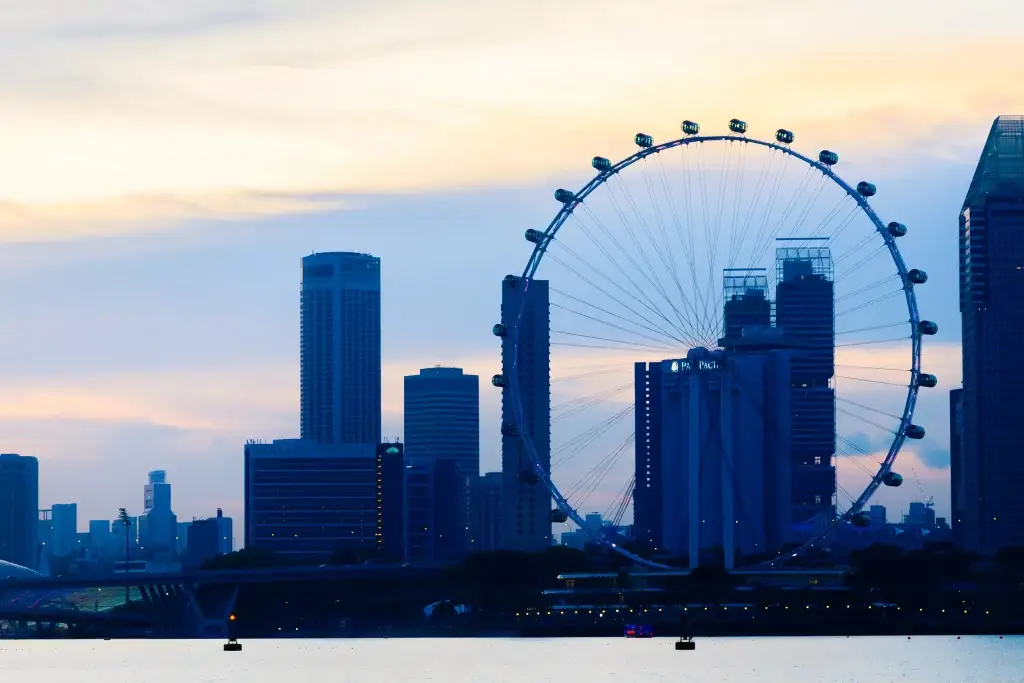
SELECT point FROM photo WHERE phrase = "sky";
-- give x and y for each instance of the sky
(167, 165)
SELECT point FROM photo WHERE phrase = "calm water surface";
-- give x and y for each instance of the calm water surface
(733, 660)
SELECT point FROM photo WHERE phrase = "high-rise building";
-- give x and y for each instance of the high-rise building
(487, 511)
(63, 529)
(712, 454)
(956, 465)
(442, 422)
(991, 289)
(340, 348)
(157, 493)
(158, 525)
(746, 301)
(442, 417)
(19, 510)
(526, 502)
(805, 314)
(309, 500)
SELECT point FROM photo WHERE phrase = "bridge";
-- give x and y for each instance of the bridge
(196, 603)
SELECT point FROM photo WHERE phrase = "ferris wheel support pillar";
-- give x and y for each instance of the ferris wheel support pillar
(693, 476)
(728, 485)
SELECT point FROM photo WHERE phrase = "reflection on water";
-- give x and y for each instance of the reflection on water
(983, 659)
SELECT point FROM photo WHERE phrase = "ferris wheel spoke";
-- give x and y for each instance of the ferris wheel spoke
(736, 250)
(577, 444)
(670, 263)
(786, 211)
(902, 385)
(867, 288)
(676, 334)
(863, 420)
(644, 298)
(593, 478)
(873, 328)
(872, 342)
(578, 405)
(625, 343)
(651, 271)
(877, 299)
(606, 323)
(683, 243)
(869, 408)
(871, 256)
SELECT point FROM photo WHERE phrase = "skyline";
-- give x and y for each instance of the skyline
(201, 352)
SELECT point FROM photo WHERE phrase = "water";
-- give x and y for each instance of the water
(724, 660)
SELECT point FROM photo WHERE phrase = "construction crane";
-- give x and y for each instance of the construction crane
(929, 501)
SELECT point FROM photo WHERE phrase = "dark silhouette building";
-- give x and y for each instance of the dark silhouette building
(391, 501)
(956, 465)
(339, 347)
(19, 510)
(991, 291)
(713, 466)
(311, 501)
(526, 502)
(487, 510)
(805, 314)
(435, 528)
(442, 422)
(746, 301)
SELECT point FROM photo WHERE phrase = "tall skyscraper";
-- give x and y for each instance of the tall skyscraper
(340, 348)
(956, 465)
(526, 501)
(157, 493)
(442, 418)
(19, 510)
(712, 461)
(442, 423)
(805, 314)
(308, 500)
(158, 525)
(991, 289)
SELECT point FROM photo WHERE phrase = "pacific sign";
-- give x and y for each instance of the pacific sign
(687, 366)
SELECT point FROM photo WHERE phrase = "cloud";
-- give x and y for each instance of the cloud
(368, 98)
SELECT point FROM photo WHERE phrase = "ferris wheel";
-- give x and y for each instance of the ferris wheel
(735, 350)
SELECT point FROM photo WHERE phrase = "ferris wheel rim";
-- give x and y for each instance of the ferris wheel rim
(865, 207)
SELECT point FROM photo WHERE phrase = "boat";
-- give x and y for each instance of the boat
(638, 631)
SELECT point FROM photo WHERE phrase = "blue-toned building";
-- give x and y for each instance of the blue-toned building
(307, 500)
(991, 289)
(956, 465)
(442, 417)
(340, 348)
(712, 454)
(487, 511)
(526, 502)
(805, 314)
(19, 510)
(391, 501)
(442, 422)
(435, 529)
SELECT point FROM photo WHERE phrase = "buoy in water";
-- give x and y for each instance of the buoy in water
(686, 644)
(232, 646)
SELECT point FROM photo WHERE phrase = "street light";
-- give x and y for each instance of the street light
(127, 521)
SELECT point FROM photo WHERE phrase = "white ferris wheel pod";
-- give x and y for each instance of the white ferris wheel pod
(669, 250)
